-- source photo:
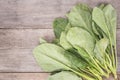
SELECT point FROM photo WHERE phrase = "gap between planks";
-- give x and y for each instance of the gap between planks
(40, 13)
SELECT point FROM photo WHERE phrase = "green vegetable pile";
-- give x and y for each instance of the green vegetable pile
(84, 45)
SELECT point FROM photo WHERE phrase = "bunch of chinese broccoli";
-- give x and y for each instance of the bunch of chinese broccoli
(84, 46)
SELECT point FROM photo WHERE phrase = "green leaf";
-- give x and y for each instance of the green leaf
(106, 20)
(98, 31)
(64, 75)
(52, 57)
(83, 53)
(63, 41)
(100, 48)
(80, 37)
(111, 19)
(59, 25)
(99, 18)
(80, 16)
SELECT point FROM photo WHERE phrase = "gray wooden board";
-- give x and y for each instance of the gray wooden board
(21, 60)
(23, 38)
(23, 76)
(29, 38)
(40, 13)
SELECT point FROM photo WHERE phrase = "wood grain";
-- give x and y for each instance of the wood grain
(31, 76)
(23, 38)
(29, 38)
(21, 60)
(23, 76)
(40, 13)
(18, 60)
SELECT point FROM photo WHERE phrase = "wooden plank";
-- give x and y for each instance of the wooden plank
(23, 38)
(21, 60)
(18, 60)
(29, 38)
(30, 76)
(23, 76)
(40, 13)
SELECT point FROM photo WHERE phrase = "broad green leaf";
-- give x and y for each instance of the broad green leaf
(80, 37)
(100, 48)
(99, 18)
(64, 75)
(100, 53)
(52, 57)
(80, 16)
(83, 53)
(106, 20)
(97, 30)
(63, 41)
(111, 17)
(59, 25)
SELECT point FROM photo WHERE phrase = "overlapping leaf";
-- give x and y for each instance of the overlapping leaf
(64, 75)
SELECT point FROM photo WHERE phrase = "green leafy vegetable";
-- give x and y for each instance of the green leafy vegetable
(100, 48)
(110, 15)
(80, 16)
(84, 45)
(82, 38)
(99, 18)
(64, 75)
(52, 58)
(59, 25)
(63, 41)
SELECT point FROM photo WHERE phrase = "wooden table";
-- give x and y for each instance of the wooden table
(22, 23)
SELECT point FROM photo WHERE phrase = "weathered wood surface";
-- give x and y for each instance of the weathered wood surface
(23, 76)
(21, 60)
(22, 23)
(23, 38)
(40, 13)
